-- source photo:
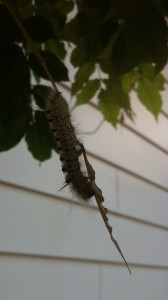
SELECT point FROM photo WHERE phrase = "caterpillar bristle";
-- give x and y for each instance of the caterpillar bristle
(58, 116)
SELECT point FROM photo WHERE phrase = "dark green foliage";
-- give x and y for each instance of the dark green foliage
(57, 69)
(40, 92)
(39, 138)
(39, 28)
(143, 39)
(9, 31)
(15, 113)
(123, 40)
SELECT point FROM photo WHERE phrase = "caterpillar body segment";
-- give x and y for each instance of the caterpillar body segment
(59, 119)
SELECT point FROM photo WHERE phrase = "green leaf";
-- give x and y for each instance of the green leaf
(9, 31)
(157, 34)
(106, 67)
(39, 138)
(76, 86)
(14, 82)
(107, 51)
(124, 9)
(64, 7)
(57, 69)
(84, 72)
(25, 8)
(128, 81)
(88, 91)
(15, 114)
(14, 69)
(82, 76)
(71, 31)
(114, 88)
(12, 132)
(112, 100)
(39, 28)
(141, 41)
(108, 107)
(128, 49)
(49, 10)
(40, 93)
(147, 70)
(149, 96)
(56, 47)
(79, 54)
(159, 81)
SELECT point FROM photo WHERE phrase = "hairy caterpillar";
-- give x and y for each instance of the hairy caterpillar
(69, 147)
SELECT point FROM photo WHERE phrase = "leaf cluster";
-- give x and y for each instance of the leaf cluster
(125, 43)
(117, 46)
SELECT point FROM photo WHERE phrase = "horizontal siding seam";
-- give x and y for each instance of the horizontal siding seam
(59, 198)
(127, 171)
(82, 260)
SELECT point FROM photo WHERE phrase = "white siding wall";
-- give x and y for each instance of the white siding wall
(52, 247)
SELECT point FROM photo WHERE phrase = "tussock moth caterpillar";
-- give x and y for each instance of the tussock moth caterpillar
(69, 147)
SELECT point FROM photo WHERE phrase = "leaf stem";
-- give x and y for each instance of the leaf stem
(30, 42)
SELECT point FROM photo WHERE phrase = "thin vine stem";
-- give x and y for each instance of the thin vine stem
(95, 129)
(30, 42)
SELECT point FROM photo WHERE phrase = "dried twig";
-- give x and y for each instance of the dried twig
(99, 199)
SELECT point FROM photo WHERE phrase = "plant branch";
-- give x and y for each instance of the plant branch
(30, 42)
